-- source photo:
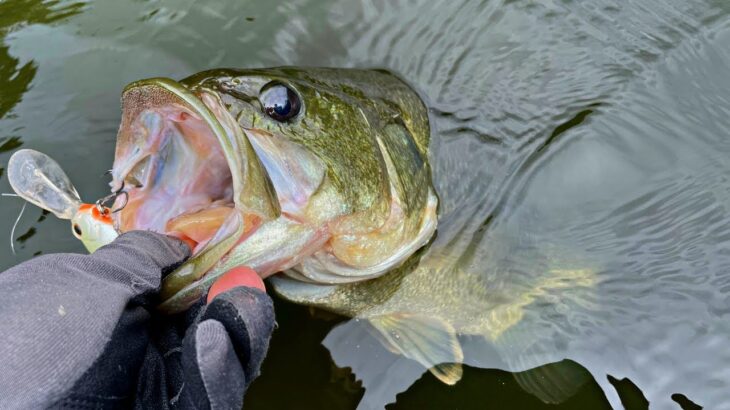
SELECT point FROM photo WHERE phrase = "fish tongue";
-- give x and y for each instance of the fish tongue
(199, 225)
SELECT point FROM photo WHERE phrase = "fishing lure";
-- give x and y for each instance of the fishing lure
(38, 179)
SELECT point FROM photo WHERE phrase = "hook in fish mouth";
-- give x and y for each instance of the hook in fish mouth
(111, 199)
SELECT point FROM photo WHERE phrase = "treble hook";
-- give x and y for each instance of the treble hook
(111, 199)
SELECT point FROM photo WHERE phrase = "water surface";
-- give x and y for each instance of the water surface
(579, 136)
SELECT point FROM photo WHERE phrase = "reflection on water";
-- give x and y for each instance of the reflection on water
(581, 151)
(480, 386)
(15, 77)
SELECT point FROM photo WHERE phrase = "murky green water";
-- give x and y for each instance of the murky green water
(569, 136)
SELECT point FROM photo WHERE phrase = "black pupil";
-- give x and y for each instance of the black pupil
(280, 102)
(77, 229)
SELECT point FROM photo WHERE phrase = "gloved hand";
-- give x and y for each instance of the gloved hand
(80, 331)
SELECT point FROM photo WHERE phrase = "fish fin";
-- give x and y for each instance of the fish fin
(448, 373)
(430, 341)
(554, 383)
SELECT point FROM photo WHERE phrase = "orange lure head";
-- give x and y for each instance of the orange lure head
(93, 227)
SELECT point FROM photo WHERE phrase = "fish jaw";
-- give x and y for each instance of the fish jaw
(275, 246)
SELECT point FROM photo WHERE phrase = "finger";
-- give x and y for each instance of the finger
(215, 371)
(240, 276)
(248, 316)
(143, 253)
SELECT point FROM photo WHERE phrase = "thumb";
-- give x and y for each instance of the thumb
(139, 259)
(240, 276)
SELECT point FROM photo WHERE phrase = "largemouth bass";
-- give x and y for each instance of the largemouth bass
(318, 173)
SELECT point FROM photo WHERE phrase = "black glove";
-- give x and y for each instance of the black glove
(81, 331)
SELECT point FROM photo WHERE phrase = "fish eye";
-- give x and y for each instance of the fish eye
(280, 102)
(77, 230)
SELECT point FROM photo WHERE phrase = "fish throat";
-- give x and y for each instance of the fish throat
(181, 184)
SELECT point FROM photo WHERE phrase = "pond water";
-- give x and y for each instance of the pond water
(581, 150)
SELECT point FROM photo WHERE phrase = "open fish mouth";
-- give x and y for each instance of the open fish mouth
(181, 163)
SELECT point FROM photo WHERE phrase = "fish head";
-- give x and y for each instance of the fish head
(212, 158)
(314, 137)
